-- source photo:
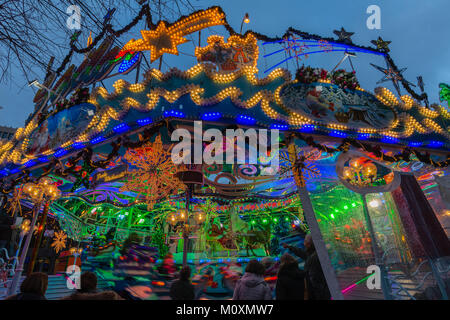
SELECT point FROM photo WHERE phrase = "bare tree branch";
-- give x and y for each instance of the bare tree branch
(33, 31)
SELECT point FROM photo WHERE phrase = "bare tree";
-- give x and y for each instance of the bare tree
(33, 31)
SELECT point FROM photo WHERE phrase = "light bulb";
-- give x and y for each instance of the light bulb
(45, 181)
(348, 173)
(374, 203)
(369, 170)
(355, 164)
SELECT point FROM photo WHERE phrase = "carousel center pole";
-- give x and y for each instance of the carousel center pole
(186, 226)
(319, 244)
(37, 245)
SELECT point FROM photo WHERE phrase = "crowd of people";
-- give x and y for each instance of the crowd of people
(292, 283)
(35, 286)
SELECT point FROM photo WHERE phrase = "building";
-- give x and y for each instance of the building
(6, 133)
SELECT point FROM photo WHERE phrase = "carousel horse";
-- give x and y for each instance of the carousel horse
(240, 235)
(254, 239)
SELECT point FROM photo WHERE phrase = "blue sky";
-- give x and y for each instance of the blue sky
(419, 31)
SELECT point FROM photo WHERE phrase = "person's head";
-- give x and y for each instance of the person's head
(286, 258)
(88, 281)
(169, 256)
(185, 273)
(255, 267)
(35, 283)
(308, 241)
(267, 262)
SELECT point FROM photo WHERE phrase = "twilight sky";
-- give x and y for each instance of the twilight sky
(419, 31)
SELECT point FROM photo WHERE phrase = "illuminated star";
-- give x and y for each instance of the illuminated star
(343, 35)
(392, 75)
(161, 40)
(381, 44)
(166, 39)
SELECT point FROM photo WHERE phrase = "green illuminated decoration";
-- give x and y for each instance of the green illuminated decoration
(444, 94)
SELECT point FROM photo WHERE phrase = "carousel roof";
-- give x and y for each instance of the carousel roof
(208, 92)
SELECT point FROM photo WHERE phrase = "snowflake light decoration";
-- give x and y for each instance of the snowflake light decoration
(155, 175)
(59, 241)
(303, 167)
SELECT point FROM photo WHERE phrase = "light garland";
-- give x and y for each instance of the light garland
(234, 41)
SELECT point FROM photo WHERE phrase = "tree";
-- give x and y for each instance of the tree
(33, 31)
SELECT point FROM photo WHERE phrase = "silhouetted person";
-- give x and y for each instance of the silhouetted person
(182, 289)
(6, 231)
(291, 280)
(88, 290)
(32, 288)
(315, 280)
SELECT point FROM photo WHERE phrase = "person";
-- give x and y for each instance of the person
(316, 283)
(252, 285)
(291, 280)
(33, 287)
(182, 289)
(6, 231)
(168, 265)
(88, 290)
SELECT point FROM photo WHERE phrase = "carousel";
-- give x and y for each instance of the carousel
(366, 173)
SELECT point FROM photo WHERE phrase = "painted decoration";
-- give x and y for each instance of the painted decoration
(328, 104)
(60, 128)
(231, 56)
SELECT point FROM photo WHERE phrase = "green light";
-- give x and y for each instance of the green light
(253, 221)
(345, 207)
(353, 204)
(264, 221)
(332, 216)
(275, 220)
(336, 210)
(286, 219)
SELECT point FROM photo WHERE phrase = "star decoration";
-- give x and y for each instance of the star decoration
(392, 75)
(162, 40)
(343, 35)
(166, 39)
(381, 44)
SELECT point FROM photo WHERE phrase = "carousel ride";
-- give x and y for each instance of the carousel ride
(138, 215)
